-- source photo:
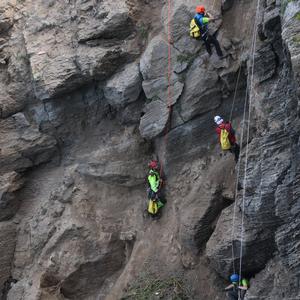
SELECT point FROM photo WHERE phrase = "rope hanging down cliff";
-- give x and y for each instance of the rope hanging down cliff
(253, 50)
(169, 75)
(241, 148)
(248, 131)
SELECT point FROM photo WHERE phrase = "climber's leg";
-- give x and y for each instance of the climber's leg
(232, 295)
(207, 45)
(242, 294)
(236, 152)
(214, 41)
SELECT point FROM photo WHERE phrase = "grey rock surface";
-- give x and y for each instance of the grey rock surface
(22, 145)
(154, 68)
(10, 183)
(83, 86)
(154, 120)
(268, 201)
(124, 87)
(67, 51)
(227, 4)
(290, 33)
(7, 249)
(201, 93)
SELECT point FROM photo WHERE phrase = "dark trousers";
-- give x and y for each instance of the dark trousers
(235, 294)
(211, 39)
(235, 149)
(232, 295)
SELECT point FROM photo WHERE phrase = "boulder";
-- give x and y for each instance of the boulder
(124, 87)
(157, 89)
(7, 249)
(117, 163)
(227, 4)
(154, 61)
(9, 184)
(23, 145)
(131, 114)
(8, 105)
(201, 93)
(154, 65)
(291, 34)
(266, 63)
(115, 23)
(6, 16)
(83, 53)
(154, 120)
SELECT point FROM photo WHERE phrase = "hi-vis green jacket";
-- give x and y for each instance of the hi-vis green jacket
(154, 180)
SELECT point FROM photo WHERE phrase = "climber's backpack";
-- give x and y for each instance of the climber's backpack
(152, 207)
(194, 29)
(224, 139)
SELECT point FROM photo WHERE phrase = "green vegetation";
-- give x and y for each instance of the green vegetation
(186, 58)
(148, 287)
(143, 30)
(284, 4)
(296, 39)
(21, 56)
(154, 98)
(297, 16)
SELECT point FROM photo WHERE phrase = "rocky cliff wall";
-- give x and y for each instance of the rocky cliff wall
(84, 107)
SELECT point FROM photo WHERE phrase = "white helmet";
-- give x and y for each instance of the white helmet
(218, 120)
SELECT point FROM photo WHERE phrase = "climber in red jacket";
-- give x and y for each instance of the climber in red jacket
(227, 137)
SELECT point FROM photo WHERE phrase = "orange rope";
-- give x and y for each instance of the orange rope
(169, 75)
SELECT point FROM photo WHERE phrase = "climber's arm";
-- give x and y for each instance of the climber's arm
(229, 287)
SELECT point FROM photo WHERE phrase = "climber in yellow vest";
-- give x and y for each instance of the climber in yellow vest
(199, 30)
(227, 137)
(154, 185)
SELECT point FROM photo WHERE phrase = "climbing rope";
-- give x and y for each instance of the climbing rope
(214, 5)
(169, 76)
(235, 93)
(239, 161)
(249, 87)
(248, 133)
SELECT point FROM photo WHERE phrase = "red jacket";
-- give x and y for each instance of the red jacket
(228, 128)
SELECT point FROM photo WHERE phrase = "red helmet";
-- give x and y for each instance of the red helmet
(200, 9)
(153, 164)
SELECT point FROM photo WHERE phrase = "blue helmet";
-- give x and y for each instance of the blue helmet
(234, 278)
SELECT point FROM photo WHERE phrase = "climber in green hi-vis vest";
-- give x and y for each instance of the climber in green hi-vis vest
(154, 185)
(238, 288)
(199, 30)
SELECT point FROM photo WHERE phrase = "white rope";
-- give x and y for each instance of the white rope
(248, 134)
(235, 93)
(241, 147)
(213, 5)
(249, 87)
(237, 181)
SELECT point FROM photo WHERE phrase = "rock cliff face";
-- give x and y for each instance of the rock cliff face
(90, 91)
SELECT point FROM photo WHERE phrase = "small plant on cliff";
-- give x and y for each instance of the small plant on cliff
(143, 30)
(296, 39)
(284, 4)
(147, 287)
(186, 58)
(297, 16)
